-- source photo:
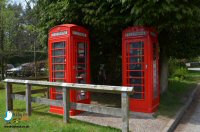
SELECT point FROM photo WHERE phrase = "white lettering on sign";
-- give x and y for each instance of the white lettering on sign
(79, 33)
(59, 33)
(132, 34)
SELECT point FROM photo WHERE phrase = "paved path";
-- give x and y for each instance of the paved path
(191, 120)
(136, 124)
(194, 69)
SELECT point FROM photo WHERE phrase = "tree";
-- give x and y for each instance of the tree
(171, 18)
(17, 32)
(6, 18)
(106, 20)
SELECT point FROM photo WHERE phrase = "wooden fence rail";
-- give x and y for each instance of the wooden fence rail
(65, 103)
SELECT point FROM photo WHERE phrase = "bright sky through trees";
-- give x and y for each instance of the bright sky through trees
(22, 2)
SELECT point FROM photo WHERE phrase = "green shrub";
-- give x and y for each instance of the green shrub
(177, 69)
(2, 85)
(173, 66)
(180, 73)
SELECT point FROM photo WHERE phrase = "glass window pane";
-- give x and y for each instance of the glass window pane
(58, 45)
(137, 44)
(81, 80)
(81, 45)
(81, 52)
(136, 52)
(135, 81)
(59, 74)
(138, 88)
(81, 67)
(136, 74)
(58, 67)
(135, 67)
(81, 75)
(81, 95)
(81, 49)
(58, 52)
(136, 95)
(136, 59)
(58, 60)
(59, 97)
(81, 60)
(155, 71)
(58, 93)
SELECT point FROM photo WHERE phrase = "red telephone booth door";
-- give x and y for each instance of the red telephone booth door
(135, 71)
(58, 66)
(81, 72)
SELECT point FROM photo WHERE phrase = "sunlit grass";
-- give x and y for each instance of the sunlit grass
(173, 99)
(43, 121)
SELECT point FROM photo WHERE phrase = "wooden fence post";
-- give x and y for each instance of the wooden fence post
(9, 100)
(48, 96)
(66, 104)
(28, 99)
(125, 111)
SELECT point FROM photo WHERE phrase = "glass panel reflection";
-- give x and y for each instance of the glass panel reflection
(136, 95)
(58, 67)
(59, 75)
(58, 60)
(58, 52)
(59, 45)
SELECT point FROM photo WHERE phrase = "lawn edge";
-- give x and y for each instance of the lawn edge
(171, 125)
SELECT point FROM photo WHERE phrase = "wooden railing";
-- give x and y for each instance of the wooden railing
(66, 104)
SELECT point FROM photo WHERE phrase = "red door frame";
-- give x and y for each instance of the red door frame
(75, 40)
(139, 102)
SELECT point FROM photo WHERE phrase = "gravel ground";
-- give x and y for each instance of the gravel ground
(136, 124)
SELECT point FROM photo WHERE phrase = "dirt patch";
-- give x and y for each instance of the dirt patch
(106, 99)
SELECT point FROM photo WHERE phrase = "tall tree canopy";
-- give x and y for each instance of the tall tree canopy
(177, 22)
(17, 32)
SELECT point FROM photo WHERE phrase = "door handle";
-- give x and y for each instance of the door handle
(146, 66)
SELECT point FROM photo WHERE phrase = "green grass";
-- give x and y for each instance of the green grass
(193, 75)
(42, 121)
(174, 98)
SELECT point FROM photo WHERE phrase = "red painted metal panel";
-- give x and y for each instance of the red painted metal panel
(140, 67)
(63, 62)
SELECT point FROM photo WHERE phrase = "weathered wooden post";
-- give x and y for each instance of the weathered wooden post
(47, 93)
(28, 99)
(66, 104)
(125, 111)
(9, 100)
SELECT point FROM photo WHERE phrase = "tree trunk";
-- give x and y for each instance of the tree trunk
(164, 71)
(2, 50)
(2, 68)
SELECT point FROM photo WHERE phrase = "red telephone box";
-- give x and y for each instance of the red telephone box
(140, 62)
(68, 48)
